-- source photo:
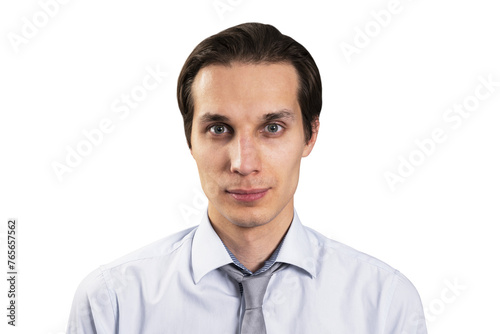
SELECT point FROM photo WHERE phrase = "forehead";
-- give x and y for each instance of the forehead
(245, 87)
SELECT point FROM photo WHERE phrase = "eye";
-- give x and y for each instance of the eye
(273, 128)
(218, 129)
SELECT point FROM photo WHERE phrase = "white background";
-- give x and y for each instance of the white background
(140, 183)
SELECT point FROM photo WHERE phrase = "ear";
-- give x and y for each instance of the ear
(314, 135)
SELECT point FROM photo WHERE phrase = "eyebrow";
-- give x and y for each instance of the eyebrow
(282, 114)
(209, 117)
(272, 116)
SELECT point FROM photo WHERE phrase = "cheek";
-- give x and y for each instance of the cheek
(205, 168)
(284, 160)
(209, 170)
(289, 148)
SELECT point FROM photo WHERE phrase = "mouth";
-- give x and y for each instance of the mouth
(247, 195)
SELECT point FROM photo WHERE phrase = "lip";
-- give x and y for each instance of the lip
(247, 195)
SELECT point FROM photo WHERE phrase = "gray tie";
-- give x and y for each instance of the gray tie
(254, 289)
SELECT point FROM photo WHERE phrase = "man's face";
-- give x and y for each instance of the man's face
(248, 140)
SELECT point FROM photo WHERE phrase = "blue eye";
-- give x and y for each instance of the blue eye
(273, 128)
(218, 129)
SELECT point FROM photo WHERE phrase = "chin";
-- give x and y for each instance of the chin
(247, 223)
(247, 217)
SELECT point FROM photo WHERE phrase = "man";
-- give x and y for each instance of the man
(250, 99)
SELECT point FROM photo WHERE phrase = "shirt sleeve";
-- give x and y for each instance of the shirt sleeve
(405, 314)
(92, 309)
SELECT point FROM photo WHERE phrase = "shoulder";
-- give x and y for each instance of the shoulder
(340, 259)
(164, 247)
(330, 249)
(98, 281)
(371, 279)
(95, 302)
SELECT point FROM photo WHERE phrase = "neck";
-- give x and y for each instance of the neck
(252, 246)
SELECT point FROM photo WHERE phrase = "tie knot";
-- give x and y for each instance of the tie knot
(254, 289)
(254, 286)
(235, 273)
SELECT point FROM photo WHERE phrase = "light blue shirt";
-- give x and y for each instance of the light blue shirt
(174, 286)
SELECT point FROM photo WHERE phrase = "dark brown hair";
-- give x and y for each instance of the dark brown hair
(252, 43)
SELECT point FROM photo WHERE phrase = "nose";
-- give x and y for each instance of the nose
(245, 156)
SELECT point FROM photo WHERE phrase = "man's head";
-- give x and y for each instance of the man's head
(251, 99)
(252, 43)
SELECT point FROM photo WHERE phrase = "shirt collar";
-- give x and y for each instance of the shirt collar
(297, 249)
(209, 253)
